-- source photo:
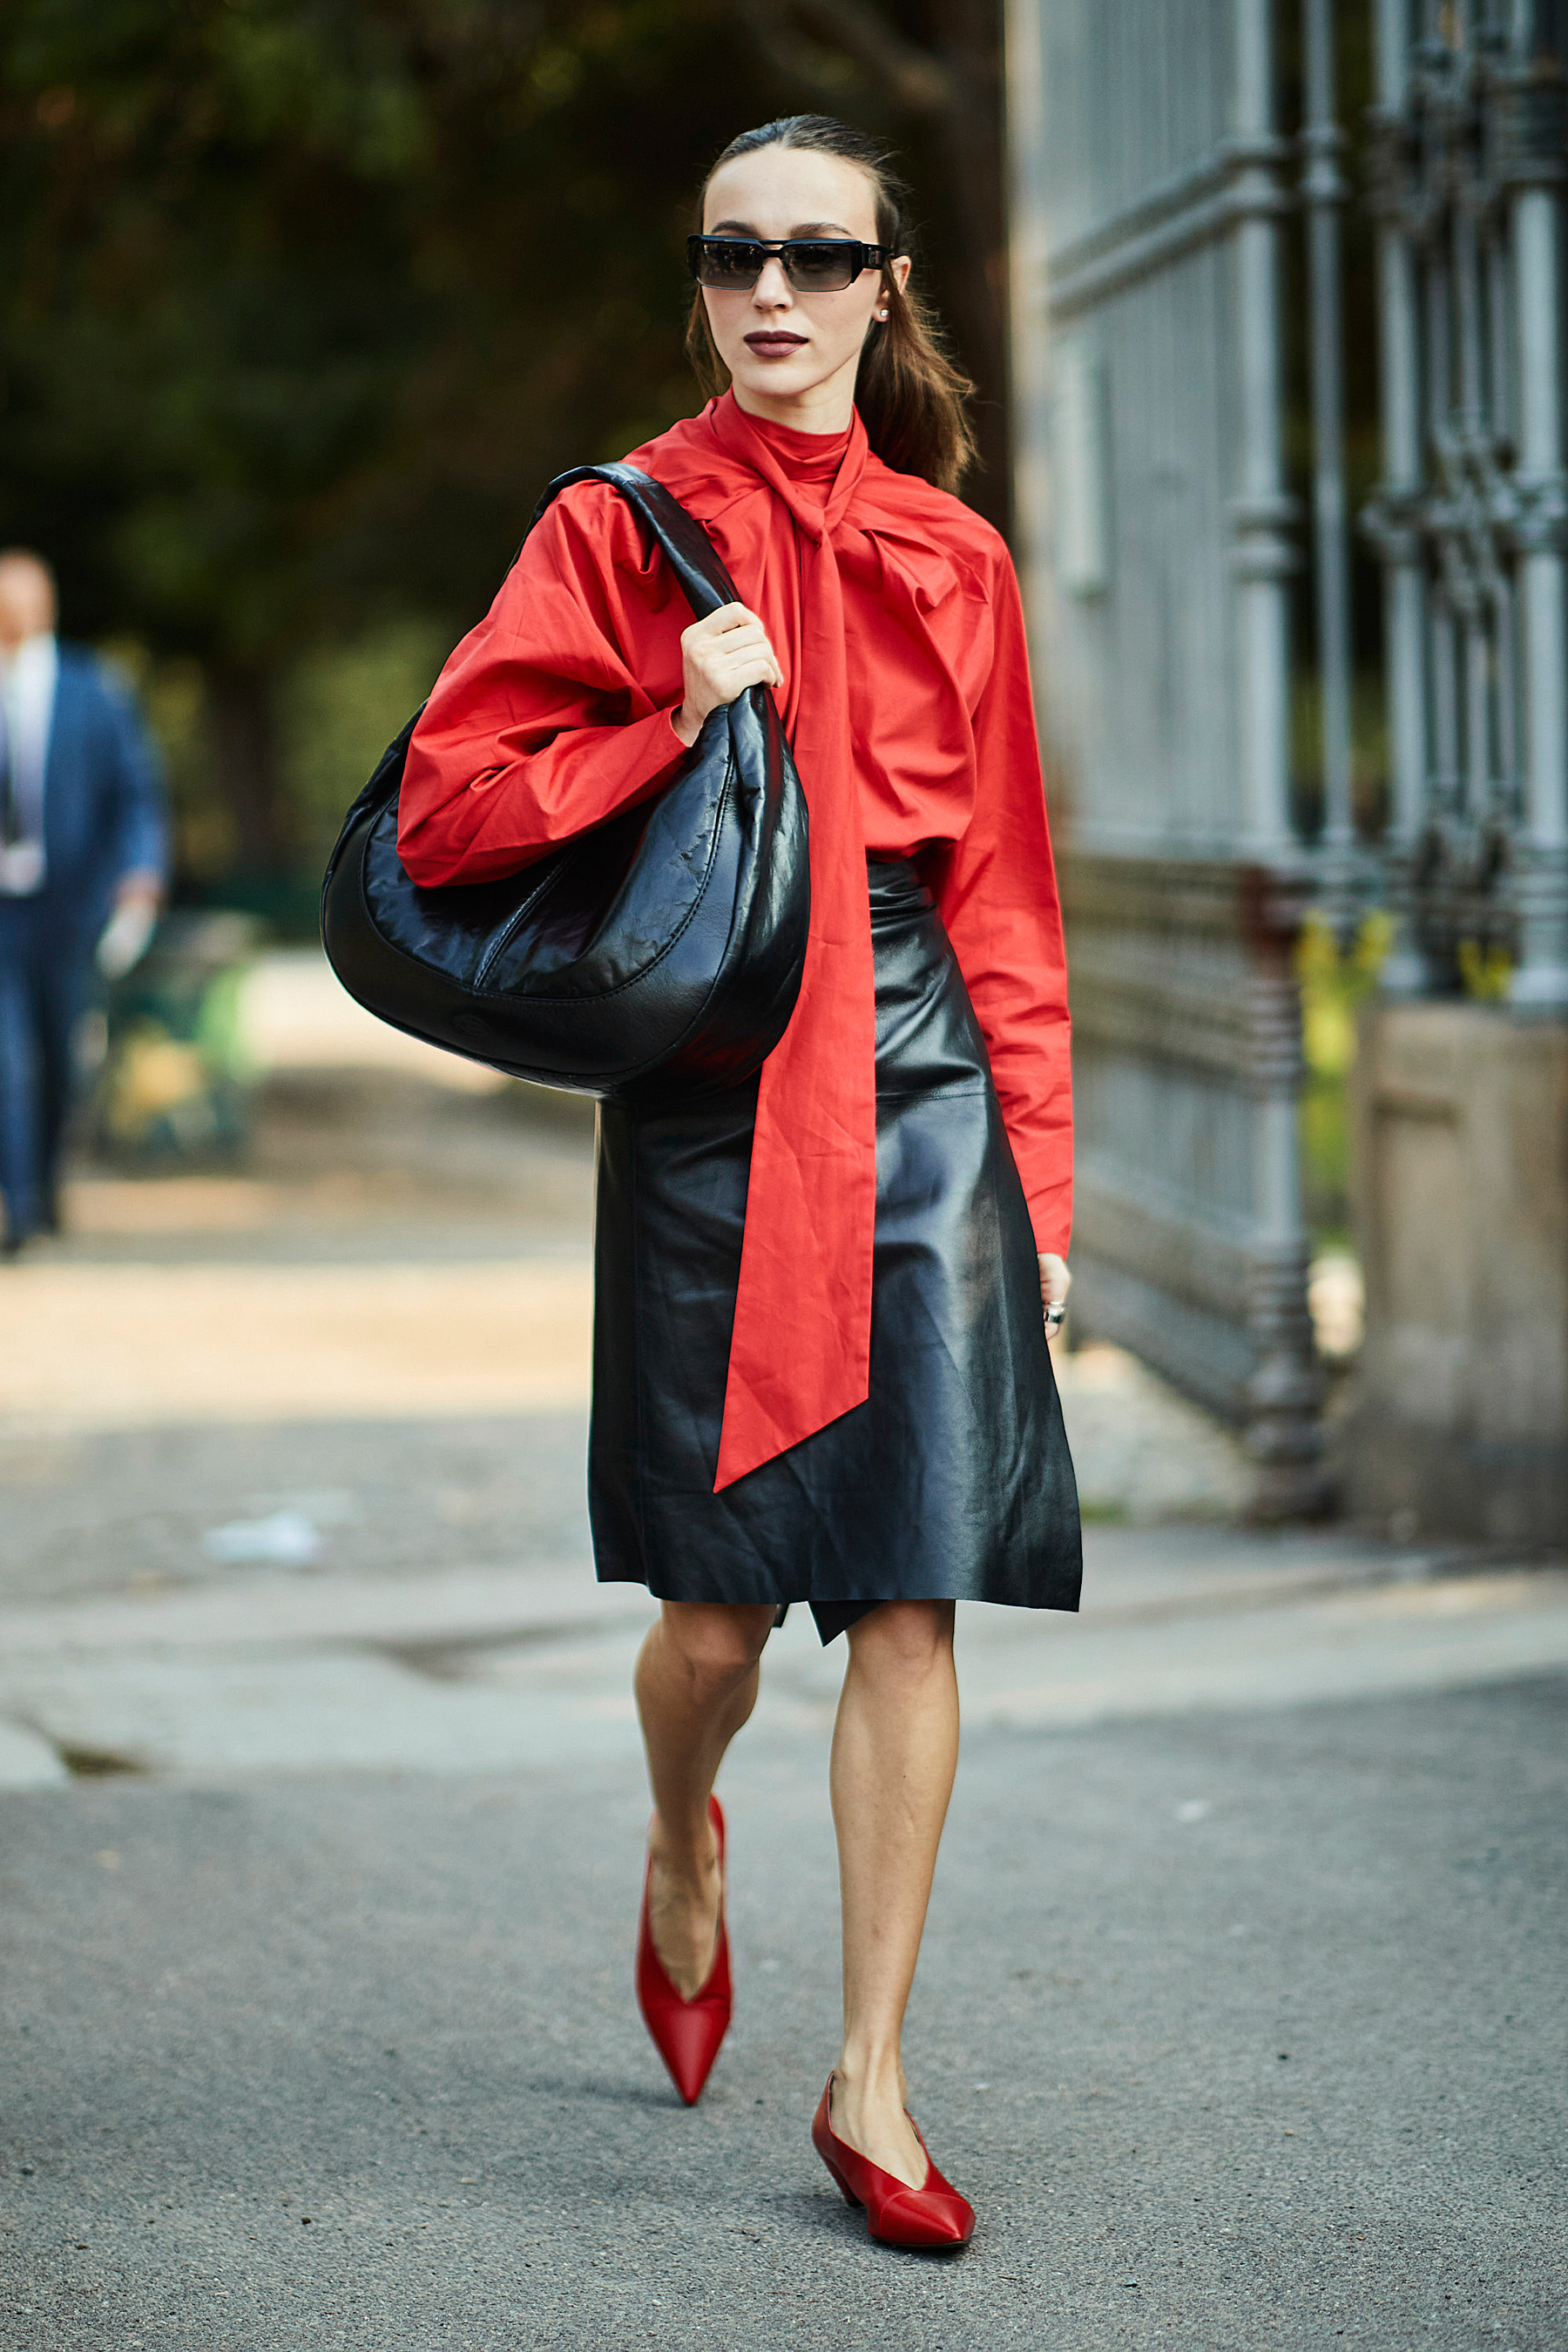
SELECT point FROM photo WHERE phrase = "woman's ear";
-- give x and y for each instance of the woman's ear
(899, 272)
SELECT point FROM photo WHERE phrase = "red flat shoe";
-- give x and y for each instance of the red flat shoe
(685, 2033)
(934, 2215)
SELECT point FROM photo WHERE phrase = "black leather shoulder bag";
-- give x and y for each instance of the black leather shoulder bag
(661, 951)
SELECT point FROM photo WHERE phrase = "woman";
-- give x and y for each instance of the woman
(821, 1372)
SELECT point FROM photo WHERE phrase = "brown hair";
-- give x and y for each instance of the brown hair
(911, 398)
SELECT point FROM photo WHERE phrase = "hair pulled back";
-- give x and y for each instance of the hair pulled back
(911, 398)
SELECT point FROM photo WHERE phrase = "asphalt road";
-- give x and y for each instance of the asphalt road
(1238, 2029)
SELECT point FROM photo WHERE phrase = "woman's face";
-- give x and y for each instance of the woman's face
(791, 353)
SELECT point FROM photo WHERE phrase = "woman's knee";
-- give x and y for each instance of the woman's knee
(904, 1637)
(718, 1642)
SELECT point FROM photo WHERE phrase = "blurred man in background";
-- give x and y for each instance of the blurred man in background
(83, 852)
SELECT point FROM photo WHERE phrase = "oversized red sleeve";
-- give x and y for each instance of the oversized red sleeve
(996, 890)
(555, 711)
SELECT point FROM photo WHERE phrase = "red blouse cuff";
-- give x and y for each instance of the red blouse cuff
(1050, 1214)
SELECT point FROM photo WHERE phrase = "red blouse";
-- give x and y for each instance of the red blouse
(895, 616)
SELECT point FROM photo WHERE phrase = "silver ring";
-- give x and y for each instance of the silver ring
(1055, 1316)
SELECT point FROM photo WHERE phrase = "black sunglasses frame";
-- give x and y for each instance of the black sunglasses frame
(859, 257)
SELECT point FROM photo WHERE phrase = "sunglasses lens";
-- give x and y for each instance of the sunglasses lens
(813, 265)
(819, 268)
(729, 262)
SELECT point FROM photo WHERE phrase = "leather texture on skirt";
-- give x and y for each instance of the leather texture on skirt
(952, 1480)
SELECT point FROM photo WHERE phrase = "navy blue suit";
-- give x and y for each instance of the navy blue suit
(103, 818)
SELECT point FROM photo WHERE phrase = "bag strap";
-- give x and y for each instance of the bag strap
(685, 544)
(686, 548)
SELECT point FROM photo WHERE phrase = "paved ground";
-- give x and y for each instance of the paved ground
(1241, 2015)
(1240, 2031)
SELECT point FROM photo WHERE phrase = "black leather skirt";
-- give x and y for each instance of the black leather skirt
(952, 1480)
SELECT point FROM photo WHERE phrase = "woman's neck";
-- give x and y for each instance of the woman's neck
(826, 407)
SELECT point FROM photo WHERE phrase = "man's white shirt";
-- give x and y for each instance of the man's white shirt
(28, 682)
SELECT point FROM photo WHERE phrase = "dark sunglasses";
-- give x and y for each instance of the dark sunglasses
(813, 265)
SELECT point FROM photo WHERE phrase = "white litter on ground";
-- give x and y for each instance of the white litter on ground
(287, 1540)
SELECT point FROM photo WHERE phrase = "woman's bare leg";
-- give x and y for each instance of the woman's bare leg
(895, 1750)
(696, 1683)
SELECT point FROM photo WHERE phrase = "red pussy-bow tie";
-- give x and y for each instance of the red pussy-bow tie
(800, 1352)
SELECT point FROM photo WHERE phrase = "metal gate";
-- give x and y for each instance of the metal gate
(1470, 151)
(1150, 195)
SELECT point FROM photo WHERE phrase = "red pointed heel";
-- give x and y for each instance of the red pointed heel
(685, 2033)
(931, 2217)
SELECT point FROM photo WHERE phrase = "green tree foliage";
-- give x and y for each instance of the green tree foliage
(301, 301)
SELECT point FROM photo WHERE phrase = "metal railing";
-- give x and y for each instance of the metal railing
(1155, 195)
(1469, 153)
